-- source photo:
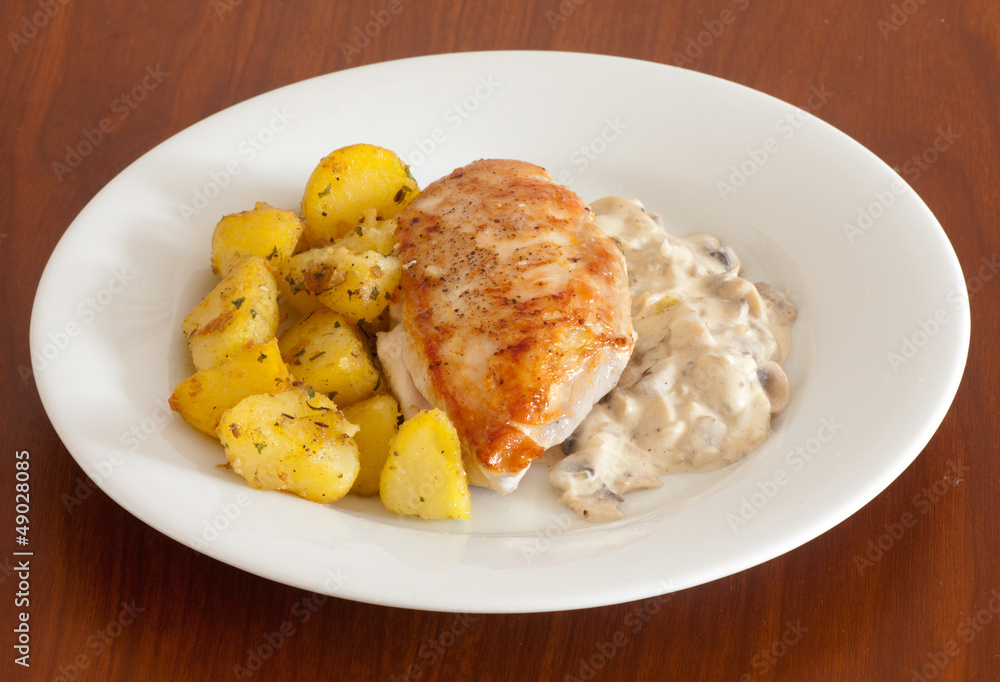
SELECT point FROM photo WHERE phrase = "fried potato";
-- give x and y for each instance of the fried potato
(371, 234)
(266, 232)
(349, 181)
(256, 368)
(356, 285)
(295, 441)
(241, 309)
(423, 475)
(327, 352)
(371, 328)
(300, 299)
(377, 419)
(273, 402)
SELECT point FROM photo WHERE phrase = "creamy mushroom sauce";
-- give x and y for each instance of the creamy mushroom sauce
(704, 379)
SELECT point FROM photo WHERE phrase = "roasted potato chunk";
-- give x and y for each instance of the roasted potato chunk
(347, 182)
(256, 368)
(371, 328)
(423, 475)
(266, 232)
(241, 309)
(371, 234)
(327, 352)
(300, 299)
(377, 419)
(356, 285)
(296, 441)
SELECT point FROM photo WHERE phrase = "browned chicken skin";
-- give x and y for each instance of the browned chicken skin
(514, 312)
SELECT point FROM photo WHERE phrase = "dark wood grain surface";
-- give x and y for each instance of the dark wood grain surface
(112, 599)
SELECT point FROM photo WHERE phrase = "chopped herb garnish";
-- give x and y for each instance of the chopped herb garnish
(260, 447)
(238, 302)
(326, 190)
(262, 357)
(318, 409)
(319, 354)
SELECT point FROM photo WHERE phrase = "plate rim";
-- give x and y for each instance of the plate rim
(936, 415)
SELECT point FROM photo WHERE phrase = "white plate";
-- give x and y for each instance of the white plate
(878, 350)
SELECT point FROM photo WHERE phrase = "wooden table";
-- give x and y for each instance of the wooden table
(112, 599)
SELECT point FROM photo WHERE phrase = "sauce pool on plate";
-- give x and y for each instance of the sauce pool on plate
(704, 379)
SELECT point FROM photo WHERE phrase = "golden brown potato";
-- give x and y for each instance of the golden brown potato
(349, 181)
(266, 232)
(301, 300)
(377, 419)
(241, 309)
(371, 234)
(370, 328)
(356, 285)
(296, 441)
(423, 475)
(327, 352)
(202, 398)
(273, 402)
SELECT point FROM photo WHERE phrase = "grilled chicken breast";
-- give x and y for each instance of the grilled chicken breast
(513, 313)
